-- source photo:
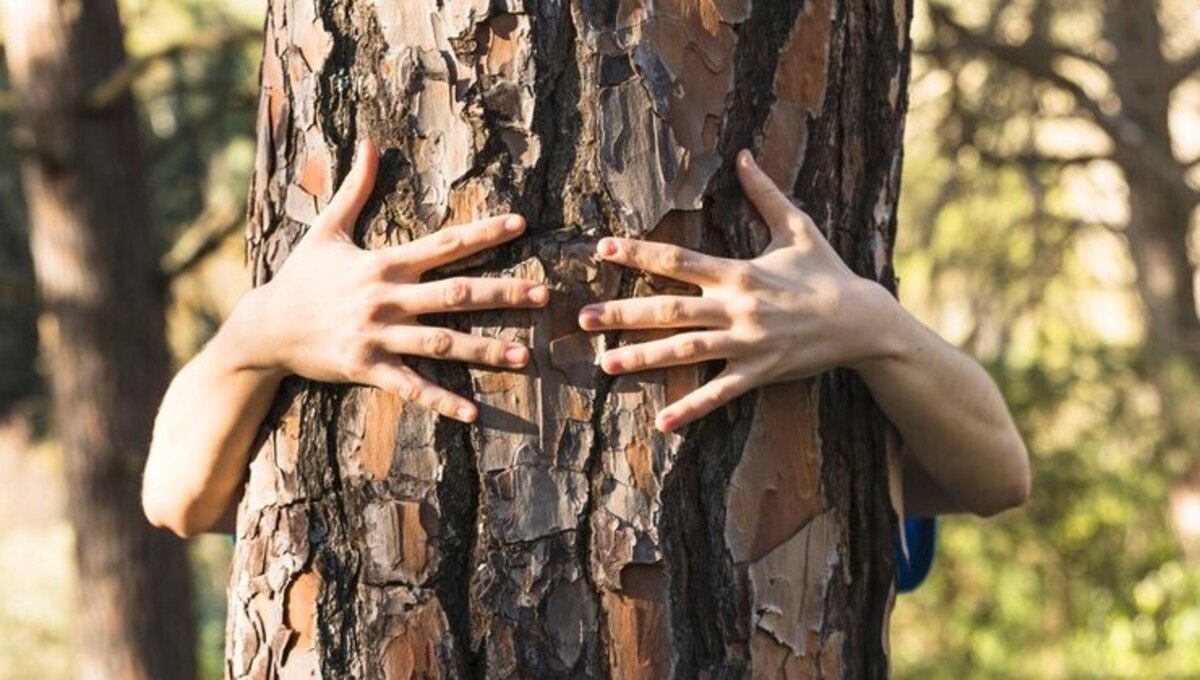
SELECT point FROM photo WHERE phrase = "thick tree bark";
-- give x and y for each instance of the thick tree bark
(96, 263)
(561, 534)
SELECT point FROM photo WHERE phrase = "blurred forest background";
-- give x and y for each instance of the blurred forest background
(1047, 227)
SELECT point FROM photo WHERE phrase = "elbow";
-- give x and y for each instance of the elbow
(1011, 493)
(167, 513)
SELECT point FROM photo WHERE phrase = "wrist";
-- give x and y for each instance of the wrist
(887, 334)
(243, 341)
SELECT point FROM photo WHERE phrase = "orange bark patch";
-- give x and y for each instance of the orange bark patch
(414, 539)
(314, 174)
(309, 34)
(775, 489)
(468, 202)
(800, 78)
(641, 466)
(637, 624)
(300, 605)
(785, 140)
(412, 650)
(380, 427)
(272, 80)
(790, 591)
(501, 43)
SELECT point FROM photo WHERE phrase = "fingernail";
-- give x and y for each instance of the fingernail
(607, 247)
(466, 414)
(515, 355)
(513, 224)
(610, 364)
(665, 423)
(539, 295)
(745, 158)
(589, 316)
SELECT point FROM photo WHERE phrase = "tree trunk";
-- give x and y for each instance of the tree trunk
(561, 534)
(1159, 212)
(96, 264)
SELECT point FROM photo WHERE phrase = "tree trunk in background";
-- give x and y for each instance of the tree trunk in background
(96, 263)
(1160, 208)
(563, 535)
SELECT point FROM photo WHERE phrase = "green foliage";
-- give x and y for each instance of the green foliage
(1022, 267)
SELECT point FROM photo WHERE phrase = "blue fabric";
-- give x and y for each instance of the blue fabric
(921, 533)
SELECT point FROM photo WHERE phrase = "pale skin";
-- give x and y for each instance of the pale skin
(337, 313)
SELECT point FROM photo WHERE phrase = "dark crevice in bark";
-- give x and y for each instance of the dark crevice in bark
(554, 119)
(595, 476)
(695, 637)
(333, 545)
(760, 40)
(458, 496)
(727, 579)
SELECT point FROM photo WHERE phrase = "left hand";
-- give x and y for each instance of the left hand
(793, 312)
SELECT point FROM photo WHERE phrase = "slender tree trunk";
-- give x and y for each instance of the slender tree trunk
(561, 534)
(96, 264)
(1159, 212)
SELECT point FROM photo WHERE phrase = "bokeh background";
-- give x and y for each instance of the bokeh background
(1046, 140)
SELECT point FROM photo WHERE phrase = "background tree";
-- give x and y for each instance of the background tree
(96, 260)
(1118, 78)
(562, 533)
(1020, 222)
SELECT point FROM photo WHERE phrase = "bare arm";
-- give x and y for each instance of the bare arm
(333, 313)
(796, 311)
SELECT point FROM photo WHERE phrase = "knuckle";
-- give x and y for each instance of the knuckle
(633, 359)
(748, 307)
(437, 402)
(741, 276)
(719, 394)
(673, 259)
(437, 343)
(409, 391)
(491, 353)
(670, 311)
(516, 293)
(456, 293)
(376, 268)
(448, 240)
(688, 348)
(375, 299)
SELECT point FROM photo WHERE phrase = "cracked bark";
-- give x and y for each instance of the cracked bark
(561, 534)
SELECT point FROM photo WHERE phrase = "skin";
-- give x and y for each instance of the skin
(337, 313)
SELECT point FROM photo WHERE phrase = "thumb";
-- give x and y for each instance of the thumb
(341, 214)
(786, 222)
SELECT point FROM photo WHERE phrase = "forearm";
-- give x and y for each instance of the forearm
(963, 451)
(205, 427)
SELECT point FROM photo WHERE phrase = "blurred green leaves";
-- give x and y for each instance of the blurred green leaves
(1021, 258)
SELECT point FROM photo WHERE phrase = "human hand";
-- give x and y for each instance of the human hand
(793, 312)
(338, 313)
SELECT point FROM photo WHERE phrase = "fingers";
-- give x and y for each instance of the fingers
(684, 348)
(416, 389)
(729, 385)
(664, 259)
(471, 294)
(663, 311)
(455, 243)
(786, 221)
(342, 212)
(441, 343)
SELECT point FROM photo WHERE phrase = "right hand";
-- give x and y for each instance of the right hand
(338, 313)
